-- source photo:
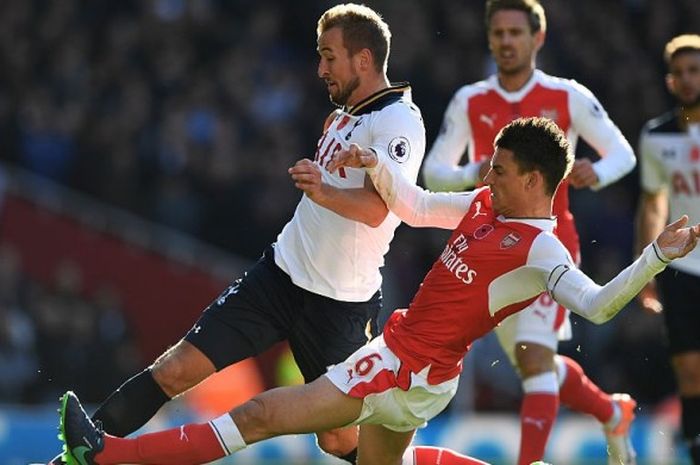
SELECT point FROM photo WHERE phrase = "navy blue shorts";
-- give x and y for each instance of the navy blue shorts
(265, 307)
(680, 295)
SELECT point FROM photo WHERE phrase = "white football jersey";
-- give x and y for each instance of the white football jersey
(333, 256)
(670, 160)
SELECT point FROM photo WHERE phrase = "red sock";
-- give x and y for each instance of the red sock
(537, 415)
(187, 445)
(439, 456)
(579, 393)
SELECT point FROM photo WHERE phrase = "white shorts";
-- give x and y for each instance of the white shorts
(544, 322)
(392, 396)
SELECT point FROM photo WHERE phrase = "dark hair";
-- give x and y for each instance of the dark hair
(538, 145)
(680, 44)
(362, 28)
(532, 8)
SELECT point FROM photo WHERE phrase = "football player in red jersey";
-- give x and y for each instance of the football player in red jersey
(669, 150)
(516, 32)
(407, 375)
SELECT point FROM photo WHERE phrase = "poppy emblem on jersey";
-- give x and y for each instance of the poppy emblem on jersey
(343, 122)
(482, 231)
(510, 240)
(695, 154)
(399, 149)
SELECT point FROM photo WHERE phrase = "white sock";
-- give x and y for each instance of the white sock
(408, 456)
(615, 418)
(544, 382)
(561, 369)
(227, 433)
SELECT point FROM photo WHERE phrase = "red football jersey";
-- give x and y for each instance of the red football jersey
(478, 111)
(452, 304)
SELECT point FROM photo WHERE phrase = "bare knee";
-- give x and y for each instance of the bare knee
(534, 359)
(253, 419)
(183, 366)
(687, 368)
(338, 442)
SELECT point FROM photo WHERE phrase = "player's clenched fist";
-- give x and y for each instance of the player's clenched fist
(582, 174)
(353, 157)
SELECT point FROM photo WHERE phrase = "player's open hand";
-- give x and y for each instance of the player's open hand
(582, 174)
(353, 157)
(676, 240)
(307, 177)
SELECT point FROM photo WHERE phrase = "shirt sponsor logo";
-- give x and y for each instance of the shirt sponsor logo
(399, 149)
(451, 259)
(686, 182)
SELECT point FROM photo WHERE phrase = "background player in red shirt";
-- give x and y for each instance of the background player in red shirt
(501, 255)
(669, 150)
(516, 32)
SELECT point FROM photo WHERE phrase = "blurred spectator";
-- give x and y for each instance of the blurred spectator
(18, 357)
(61, 339)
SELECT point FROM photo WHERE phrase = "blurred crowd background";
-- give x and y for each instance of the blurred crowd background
(187, 113)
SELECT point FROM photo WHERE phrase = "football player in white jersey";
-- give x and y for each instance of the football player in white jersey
(669, 150)
(495, 264)
(318, 286)
(516, 31)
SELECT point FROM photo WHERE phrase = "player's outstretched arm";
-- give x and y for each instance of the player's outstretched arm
(413, 205)
(572, 288)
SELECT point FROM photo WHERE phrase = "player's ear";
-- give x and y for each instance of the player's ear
(366, 60)
(533, 179)
(539, 39)
(670, 83)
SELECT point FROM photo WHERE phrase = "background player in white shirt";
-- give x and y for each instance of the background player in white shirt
(495, 264)
(669, 151)
(318, 286)
(516, 32)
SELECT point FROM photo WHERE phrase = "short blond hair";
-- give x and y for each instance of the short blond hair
(362, 28)
(681, 43)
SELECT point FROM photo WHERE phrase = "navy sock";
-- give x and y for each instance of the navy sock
(132, 405)
(350, 457)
